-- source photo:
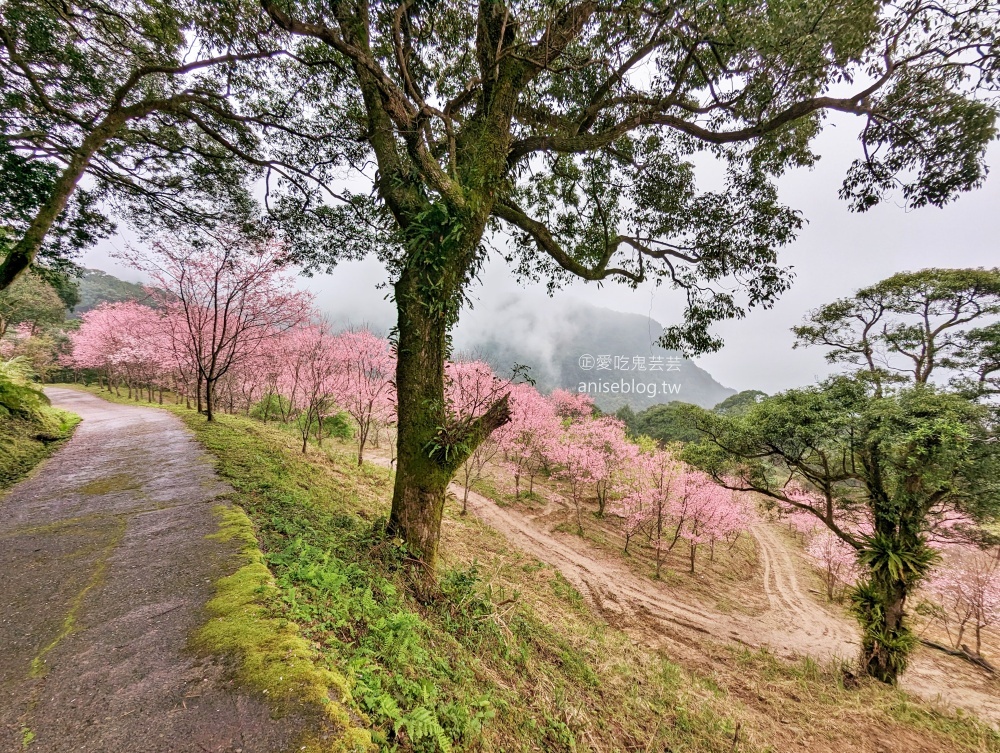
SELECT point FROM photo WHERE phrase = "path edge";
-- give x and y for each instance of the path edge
(271, 657)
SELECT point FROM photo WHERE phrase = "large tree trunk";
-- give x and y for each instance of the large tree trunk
(422, 477)
(880, 600)
(882, 654)
(428, 455)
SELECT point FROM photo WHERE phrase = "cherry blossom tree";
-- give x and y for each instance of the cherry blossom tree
(646, 486)
(125, 341)
(311, 376)
(574, 406)
(611, 452)
(578, 464)
(271, 363)
(704, 512)
(967, 589)
(471, 388)
(837, 561)
(534, 427)
(232, 297)
(631, 505)
(364, 381)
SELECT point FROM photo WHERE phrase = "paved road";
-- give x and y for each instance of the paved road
(104, 573)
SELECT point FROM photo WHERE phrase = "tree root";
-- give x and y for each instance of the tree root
(963, 653)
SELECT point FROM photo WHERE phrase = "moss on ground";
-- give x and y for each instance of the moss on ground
(24, 442)
(511, 658)
(121, 482)
(273, 658)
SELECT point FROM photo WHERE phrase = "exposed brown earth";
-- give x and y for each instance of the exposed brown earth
(106, 570)
(780, 611)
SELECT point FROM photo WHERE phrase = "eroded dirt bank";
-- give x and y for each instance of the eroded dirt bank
(105, 570)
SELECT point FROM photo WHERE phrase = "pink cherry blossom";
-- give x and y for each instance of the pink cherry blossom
(364, 383)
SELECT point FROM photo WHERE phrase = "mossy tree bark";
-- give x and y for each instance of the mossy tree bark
(431, 444)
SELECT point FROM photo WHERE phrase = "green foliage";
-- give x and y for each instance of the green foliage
(460, 672)
(740, 402)
(273, 658)
(19, 398)
(885, 649)
(910, 325)
(339, 425)
(31, 299)
(26, 185)
(30, 429)
(104, 91)
(97, 287)
(884, 556)
(591, 169)
(666, 423)
(898, 459)
(271, 407)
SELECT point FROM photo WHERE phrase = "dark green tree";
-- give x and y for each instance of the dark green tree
(977, 361)
(912, 325)
(26, 185)
(627, 416)
(134, 106)
(740, 402)
(666, 423)
(30, 300)
(882, 470)
(570, 129)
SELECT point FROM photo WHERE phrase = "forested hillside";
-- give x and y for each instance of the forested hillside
(97, 287)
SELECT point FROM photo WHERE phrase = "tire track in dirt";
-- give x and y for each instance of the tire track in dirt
(794, 625)
(781, 584)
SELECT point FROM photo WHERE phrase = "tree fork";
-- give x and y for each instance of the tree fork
(423, 468)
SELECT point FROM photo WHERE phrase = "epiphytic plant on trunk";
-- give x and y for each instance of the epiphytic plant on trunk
(571, 128)
(901, 461)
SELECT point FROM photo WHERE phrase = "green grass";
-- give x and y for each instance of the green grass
(24, 443)
(477, 669)
(512, 658)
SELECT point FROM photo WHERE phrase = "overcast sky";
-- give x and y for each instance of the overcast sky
(836, 253)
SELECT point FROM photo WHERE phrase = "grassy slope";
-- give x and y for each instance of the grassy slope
(25, 443)
(513, 659)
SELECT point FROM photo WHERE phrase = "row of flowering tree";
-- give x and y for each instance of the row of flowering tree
(304, 373)
(227, 330)
(226, 327)
(650, 491)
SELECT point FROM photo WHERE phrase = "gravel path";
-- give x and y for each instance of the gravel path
(104, 572)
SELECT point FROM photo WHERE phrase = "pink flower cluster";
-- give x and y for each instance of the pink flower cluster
(966, 590)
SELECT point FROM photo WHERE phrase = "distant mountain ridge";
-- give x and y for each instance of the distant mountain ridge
(611, 355)
(97, 287)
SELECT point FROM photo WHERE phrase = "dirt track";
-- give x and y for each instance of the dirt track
(106, 570)
(795, 623)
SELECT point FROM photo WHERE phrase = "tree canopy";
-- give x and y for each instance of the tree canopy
(146, 105)
(884, 471)
(572, 129)
(914, 324)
